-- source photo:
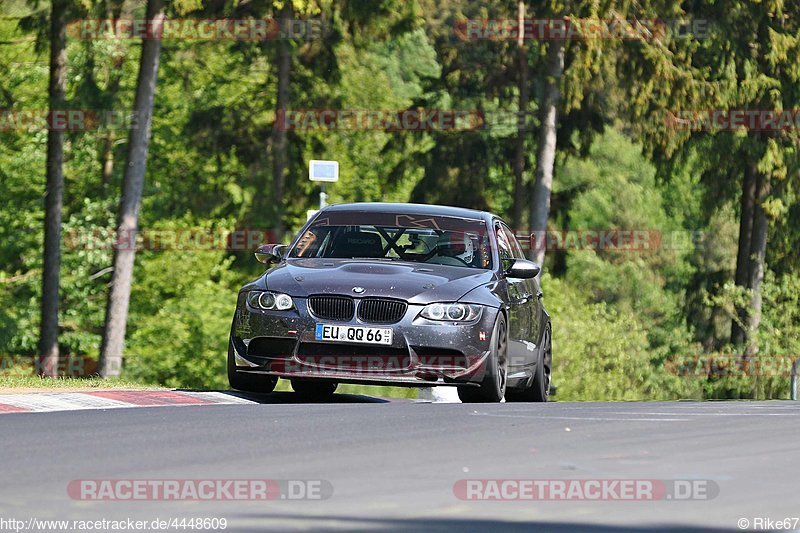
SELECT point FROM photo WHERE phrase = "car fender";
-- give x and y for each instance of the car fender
(488, 294)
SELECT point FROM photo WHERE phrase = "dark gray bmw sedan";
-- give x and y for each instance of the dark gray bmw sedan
(395, 294)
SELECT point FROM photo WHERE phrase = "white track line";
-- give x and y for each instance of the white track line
(45, 402)
(60, 401)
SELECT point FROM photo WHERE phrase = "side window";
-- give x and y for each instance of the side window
(504, 247)
(516, 249)
(310, 243)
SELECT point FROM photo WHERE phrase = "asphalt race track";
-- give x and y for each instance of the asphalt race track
(394, 464)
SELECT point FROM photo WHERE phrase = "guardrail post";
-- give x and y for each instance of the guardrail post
(795, 384)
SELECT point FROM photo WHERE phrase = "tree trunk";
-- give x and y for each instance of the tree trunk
(109, 138)
(133, 181)
(107, 160)
(54, 194)
(758, 252)
(748, 202)
(280, 154)
(519, 155)
(546, 151)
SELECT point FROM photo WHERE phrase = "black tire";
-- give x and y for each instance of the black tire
(539, 389)
(314, 390)
(493, 386)
(260, 383)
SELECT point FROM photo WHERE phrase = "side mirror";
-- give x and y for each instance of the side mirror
(270, 253)
(523, 269)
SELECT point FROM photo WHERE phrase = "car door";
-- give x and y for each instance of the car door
(530, 312)
(518, 313)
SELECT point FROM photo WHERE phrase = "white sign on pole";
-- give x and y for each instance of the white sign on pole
(323, 170)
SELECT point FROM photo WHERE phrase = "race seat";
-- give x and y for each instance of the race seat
(357, 244)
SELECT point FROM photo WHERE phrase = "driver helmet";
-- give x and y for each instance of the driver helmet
(456, 245)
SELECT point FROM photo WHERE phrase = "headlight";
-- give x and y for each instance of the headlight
(451, 312)
(283, 302)
(266, 300)
(269, 300)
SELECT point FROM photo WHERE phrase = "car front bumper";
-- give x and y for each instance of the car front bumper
(422, 352)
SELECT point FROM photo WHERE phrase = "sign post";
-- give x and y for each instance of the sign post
(324, 172)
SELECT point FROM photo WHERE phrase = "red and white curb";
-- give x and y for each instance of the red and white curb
(43, 402)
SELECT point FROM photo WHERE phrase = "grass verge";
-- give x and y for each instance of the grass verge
(18, 384)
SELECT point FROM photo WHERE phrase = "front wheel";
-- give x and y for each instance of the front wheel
(493, 386)
(243, 381)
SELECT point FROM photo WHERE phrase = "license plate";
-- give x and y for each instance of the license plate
(328, 332)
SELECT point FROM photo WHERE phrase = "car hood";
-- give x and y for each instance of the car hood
(416, 283)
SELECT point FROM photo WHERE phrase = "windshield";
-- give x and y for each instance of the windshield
(390, 243)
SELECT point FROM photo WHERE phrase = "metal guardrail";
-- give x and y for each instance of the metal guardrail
(795, 381)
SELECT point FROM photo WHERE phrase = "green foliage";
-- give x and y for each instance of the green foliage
(181, 309)
(184, 343)
(624, 321)
(601, 353)
(615, 189)
(386, 76)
